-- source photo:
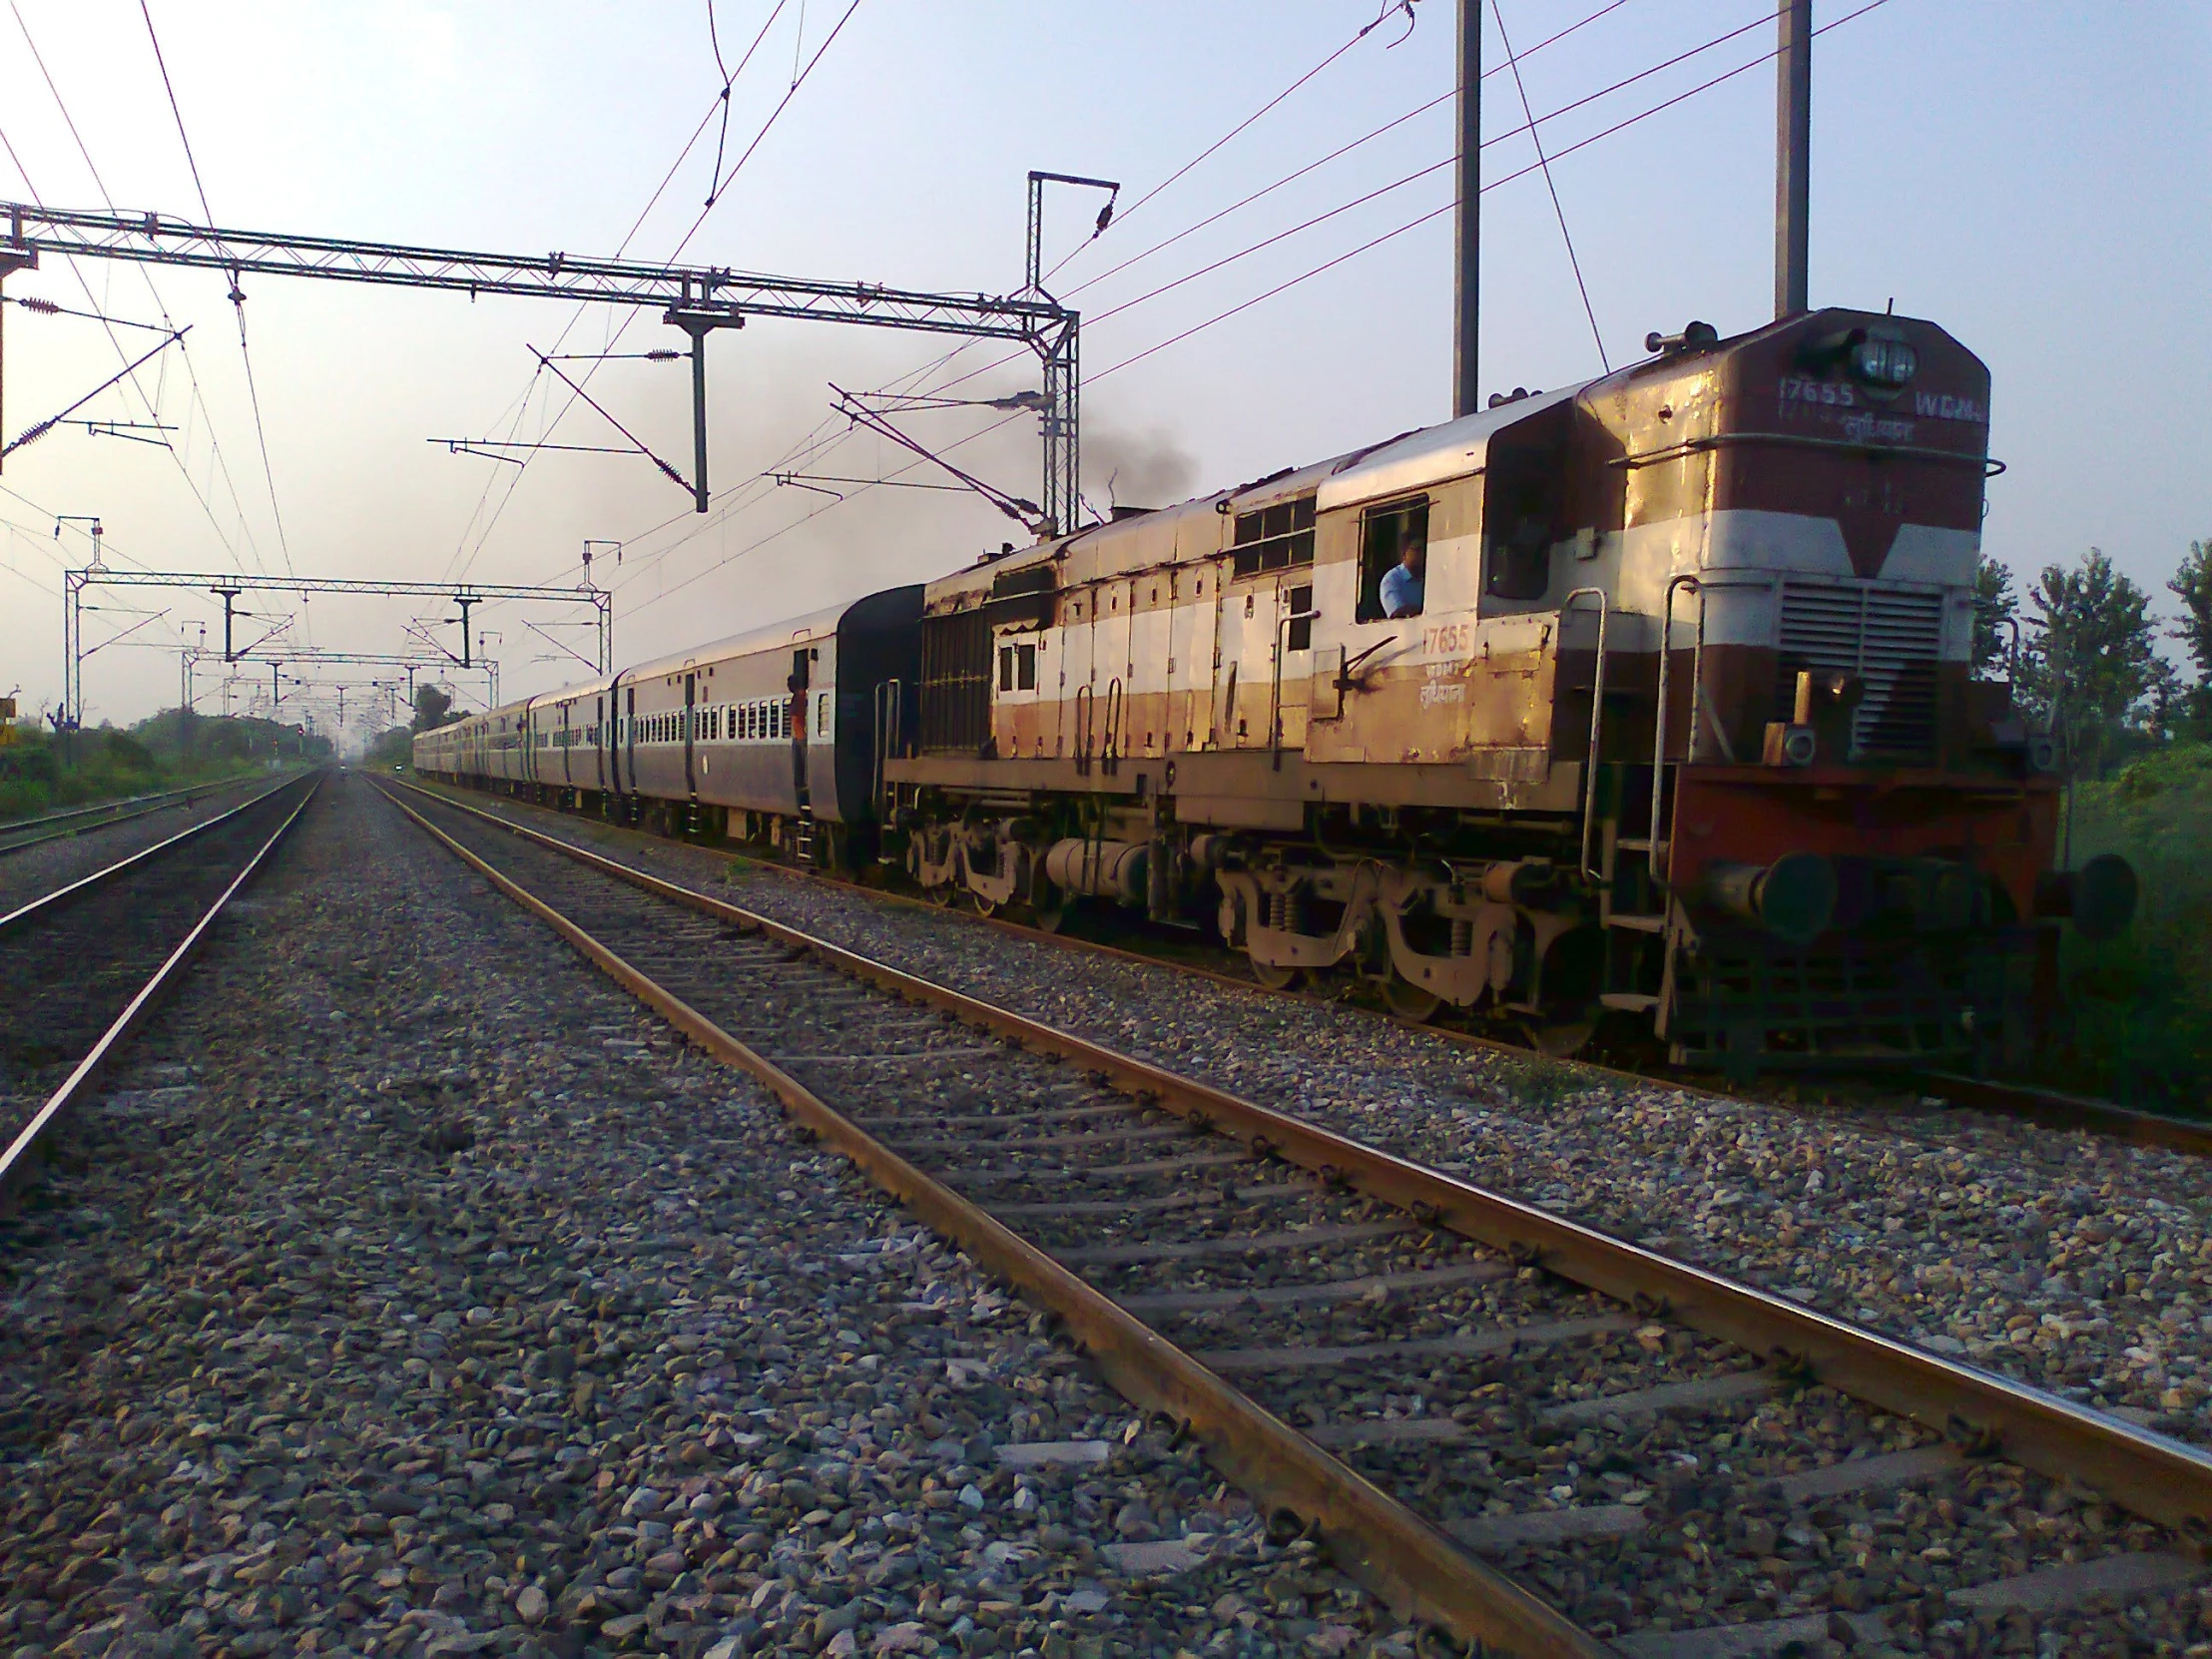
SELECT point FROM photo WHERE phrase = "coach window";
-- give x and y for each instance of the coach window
(1386, 535)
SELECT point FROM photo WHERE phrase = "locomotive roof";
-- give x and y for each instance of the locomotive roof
(1411, 462)
(1433, 454)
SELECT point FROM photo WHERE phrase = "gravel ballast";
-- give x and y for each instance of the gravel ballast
(2072, 1262)
(410, 1293)
(38, 871)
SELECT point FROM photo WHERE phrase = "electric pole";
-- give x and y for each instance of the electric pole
(1467, 270)
(1793, 156)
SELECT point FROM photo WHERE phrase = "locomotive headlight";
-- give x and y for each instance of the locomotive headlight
(1887, 363)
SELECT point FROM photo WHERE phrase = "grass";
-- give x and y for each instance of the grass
(2141, 1005)
(42, 774)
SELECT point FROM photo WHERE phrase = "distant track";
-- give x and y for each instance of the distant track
(82, 966)
(1275, 1287)
(77, 820)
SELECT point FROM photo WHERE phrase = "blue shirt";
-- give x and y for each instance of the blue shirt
(1402, 591)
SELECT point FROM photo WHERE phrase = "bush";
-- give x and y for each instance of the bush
(43, 772)
(2141, 1005)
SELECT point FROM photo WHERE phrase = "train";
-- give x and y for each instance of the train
(1647, 700)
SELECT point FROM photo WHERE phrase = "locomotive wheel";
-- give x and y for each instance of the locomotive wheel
(984, 908)
(1409, 1001)
(943, 897)
(1275, 978)
(1047, 918)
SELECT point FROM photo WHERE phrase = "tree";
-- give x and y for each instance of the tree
(1995, 608)
(432, 708)
(2093, 661)
(2192, 585)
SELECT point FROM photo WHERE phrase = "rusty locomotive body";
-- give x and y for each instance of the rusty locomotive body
(1669, 712)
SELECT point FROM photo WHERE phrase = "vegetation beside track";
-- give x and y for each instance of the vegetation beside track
(44, 771)
(2142, 1004)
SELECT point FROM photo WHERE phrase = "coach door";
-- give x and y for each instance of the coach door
(599, 742)
(691, 731)
(627, 755)
(796, 720)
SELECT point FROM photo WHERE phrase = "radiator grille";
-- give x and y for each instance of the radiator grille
(1889, 638)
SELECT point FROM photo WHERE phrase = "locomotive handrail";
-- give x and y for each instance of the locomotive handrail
(1659, 718)
(1701, 704)
(1109, 751)
(1086, 705)
(1275, 692)
(1990, 467)
(890, 724)
(1597, 717)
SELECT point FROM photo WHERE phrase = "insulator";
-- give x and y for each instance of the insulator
(45, 308)
(662, 355)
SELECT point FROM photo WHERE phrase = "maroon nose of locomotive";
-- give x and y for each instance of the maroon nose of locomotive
(1801, 895)
(1794, 898)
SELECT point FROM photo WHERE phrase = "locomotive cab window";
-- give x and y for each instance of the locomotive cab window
(1524, 506)
(1394, 561)
(1017, 668)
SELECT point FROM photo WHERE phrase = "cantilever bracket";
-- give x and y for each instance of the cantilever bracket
(700, 321)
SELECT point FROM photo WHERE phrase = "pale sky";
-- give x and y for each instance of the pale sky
(2028, 173)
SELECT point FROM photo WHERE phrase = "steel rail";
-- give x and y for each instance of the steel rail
(60, 827)
(2157, 1477)
(100, 877)
(85, 1076)
(2051, 1108)
(1416, 1570)
(2069, 1111)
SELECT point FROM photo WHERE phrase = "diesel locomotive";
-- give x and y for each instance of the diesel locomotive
(1651, 697)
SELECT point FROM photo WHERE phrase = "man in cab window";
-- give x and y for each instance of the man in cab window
(1402, 584)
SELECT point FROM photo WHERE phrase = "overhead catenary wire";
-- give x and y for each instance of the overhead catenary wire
(729, 76)
(721, 185)
(238, 295)
(1122, 215)
(1530, 125)
(218, 461)
(1551, 184)
(1435, 212)
(945, 359)
(1245, 304)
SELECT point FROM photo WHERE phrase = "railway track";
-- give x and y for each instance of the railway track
(1511, 1426)
(24, 833)
(2051, 1108)
(82, 966)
